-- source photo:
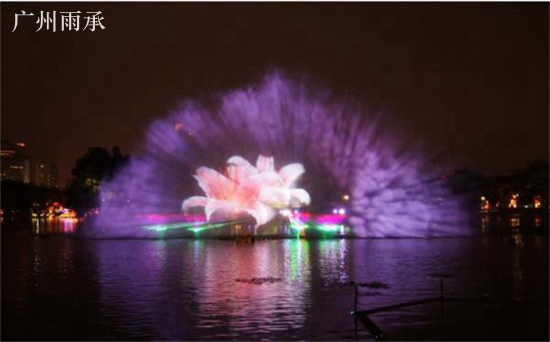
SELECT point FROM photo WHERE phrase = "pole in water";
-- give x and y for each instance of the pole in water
(372, 328)
(441, 296)
(355, 298)
(355, 309)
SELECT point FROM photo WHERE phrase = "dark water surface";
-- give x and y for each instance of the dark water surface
(58, 287)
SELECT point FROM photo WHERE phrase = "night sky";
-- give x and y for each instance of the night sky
(470, 79)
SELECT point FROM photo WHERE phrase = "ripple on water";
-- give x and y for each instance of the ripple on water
(277, 290)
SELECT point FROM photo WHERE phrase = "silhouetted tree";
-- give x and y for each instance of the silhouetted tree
(91, 169)
(469, 185)
(537, 176)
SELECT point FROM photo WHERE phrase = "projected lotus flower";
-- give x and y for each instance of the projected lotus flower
(248, 190)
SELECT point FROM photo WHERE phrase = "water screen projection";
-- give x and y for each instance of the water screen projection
(248, 190)
(324, 163)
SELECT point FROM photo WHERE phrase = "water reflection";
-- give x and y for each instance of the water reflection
(213, 290)
(296, 258)
(485, 221)
(276, 289)
(273, 289)
(333, 260)
(132, 284)
(54, 225)
(232, 298)
(517, 267)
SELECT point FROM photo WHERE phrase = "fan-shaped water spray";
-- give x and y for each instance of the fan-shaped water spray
(349, 156)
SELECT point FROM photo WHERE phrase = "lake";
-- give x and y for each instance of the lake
(61, 287)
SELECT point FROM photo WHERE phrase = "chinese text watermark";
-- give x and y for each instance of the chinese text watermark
(69, 21)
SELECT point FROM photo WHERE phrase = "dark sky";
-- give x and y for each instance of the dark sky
(471, 79)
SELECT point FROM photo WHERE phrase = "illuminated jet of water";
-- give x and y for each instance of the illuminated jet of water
(350, 151)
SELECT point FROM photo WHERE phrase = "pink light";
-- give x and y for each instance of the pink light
(331, 219)
(303, 217)
(170, 218)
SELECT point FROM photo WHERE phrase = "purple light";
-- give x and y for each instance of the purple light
(331, 219)
(345, 148)
(169, 218)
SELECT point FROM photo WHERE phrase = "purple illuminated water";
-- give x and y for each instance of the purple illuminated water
(346, 148)
(58, 287)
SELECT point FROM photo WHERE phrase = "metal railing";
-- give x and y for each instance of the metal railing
(379, 335)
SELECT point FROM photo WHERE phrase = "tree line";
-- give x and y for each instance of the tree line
(99, 165)
(94, 167)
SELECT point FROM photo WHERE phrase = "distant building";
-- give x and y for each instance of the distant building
(15, 163)
(45, 174)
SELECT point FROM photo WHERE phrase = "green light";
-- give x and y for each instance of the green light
(195, 227)
(329, 228)
(297, 226)
(163, 227)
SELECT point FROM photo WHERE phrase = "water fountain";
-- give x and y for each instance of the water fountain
(362, 180)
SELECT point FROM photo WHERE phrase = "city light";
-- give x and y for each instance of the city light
(537, 203)
(485, 205)
(513, 202)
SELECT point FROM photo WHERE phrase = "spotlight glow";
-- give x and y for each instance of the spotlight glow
(380, 183)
